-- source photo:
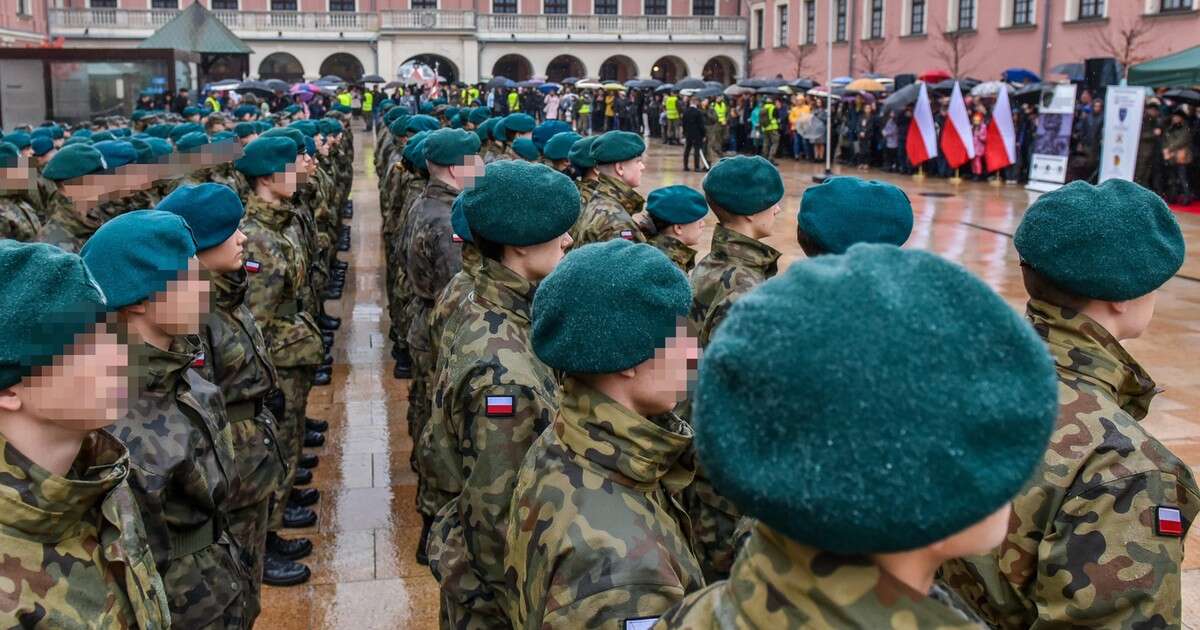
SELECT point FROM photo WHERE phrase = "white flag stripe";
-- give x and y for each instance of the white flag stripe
(960, 121)
(923, 114)
(1002, 117)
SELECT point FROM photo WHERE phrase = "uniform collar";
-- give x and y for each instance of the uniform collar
(440, 190)
(615, 438)
(472, 258)
(46, 506)
(683, 256)
(160, 371)
(1083, 348)
(736, 246)
(621, 192)
(504, 289)
(274, 215)
(230, 288)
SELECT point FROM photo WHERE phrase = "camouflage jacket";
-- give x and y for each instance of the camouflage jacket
(1096, 538)
(18, 219)
(735, 265)
(683, 256)
(447, 309)
(277, 275)
(74, 547)
(67, 229)
(609, 214)
(433, 256)
(44, 191)
(490, 402)
(587, 188)
(596, 537)
(779, 583)
(181, 452)
(227, 174)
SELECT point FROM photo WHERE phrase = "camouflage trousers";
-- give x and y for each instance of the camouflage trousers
(295, 383)
(205, 588)
(419, 401)
(260, 470)
(398, 298)
(714, 527)
(467, 603)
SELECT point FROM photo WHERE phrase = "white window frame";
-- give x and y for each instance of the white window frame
(1154, 7)
(952, 19)
(643, 5)
(780, 38)
(89, 4)
(906, 26)
(619, 8)
(866, 20)
(755, 44)
(519, 8)
(1074, 8)
(328, 4)
(802, 27)
(1008, 6)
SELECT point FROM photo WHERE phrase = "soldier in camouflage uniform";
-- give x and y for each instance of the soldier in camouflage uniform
(76, 553)
(19, 220)
(179, 440)
(587, 178)
(493, 396)
(557, 150)
(72, 216)
(744, 193)
(609, 211)
(401, 287)
(596, 535)
(778, 426)
(1096, 539)
(489, 149)
(674, 222)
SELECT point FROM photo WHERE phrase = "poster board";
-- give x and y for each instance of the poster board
(1052, 143)
(1122, 129)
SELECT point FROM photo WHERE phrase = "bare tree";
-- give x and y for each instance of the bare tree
(803, 55)
(1126, 44)
(952, 49)
(874, 55)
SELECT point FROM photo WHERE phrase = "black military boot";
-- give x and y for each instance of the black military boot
(348, 210)
(280, 572)
(295, 516)
(312, 424)
(344, 243)
(341, 265)
(308, 461)
(303, 477)
(326, 339)
(322, 377)
(403, 369)
(328, 322)
(288, 548)
(312, 439)
(304, 497)
(332, 292)
(426, 525)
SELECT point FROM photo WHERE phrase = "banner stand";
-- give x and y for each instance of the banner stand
(1052, 145)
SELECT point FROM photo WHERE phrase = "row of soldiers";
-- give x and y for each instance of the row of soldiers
(872, 438)
(162, 325)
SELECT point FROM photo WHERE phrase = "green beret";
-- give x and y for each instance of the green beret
(581, 153)
(1112, 242)
(848, 210)
(393, 114)
(543, 132)
(447, 147)
(82, 131)
(137, 115)
(342, 108)
(160, 147)
(42, 145)
(263, 125)
(184, 129)
(191, 110)
(244, 129)
(291, 133)
(426, 108)
(574, 327)
(162, 130)
(310, 146)
(744, 185)
(306, 127)
(120, 132)
(9, 154)
(19, 139)
(136, 254)
(882, 432)
(458, 220)
(292, 109)
(265, 156)
(386, 105)
(49, 297)
(145, 153)
(677, 205)
(330, 127)
(414, 150)
(117, 153)
(511, 125)
(102, 136)
(450, 113)
(244, 110)
(525, 148)
(52, 131)
(559, 146)
(74, 160)
(399, 126)
(421, 122)
(485, 128)
(191, 142)
(478, 115)
(212, 211)
(500, 208)
(617, 146)
(78, 140)
(40, 131)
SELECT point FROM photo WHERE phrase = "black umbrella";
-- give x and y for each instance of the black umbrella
(1029, 93)
(254, 87)
(391, 85)
(803, 84)
(570, 81)
(372, 78)
(774, 83)
(277, 85)
(330, 78)
(770, 90)
(708, 92)
(501, 82)
(753, 83)
(634, 84)
(690, 84)
(902, 98)
(715, 84)
(666, 87)
(947, 86)
(1187, 96)
(649, 84)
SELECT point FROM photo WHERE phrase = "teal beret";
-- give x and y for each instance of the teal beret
(399, 125)
(78, 140)
(9, 154)
(212, 211)
(82, 131)
(543, 132)
(74, 160)
(450, 113)
(581, 153)
(291, 109)
(880, 432)
(525, 148)
(421, 122)
(191, 142)
(847, 210)
(184, 129)
(40, 131)
(426, 107)
(120, 132)
(438, 101)
(617, 146)
(117, 153)
(678, 205)
(263, 125)
(559, 146)
(160, 147)
(137, 115)
(42, 145)
(19, 139)
(574, 325)
(414, 150)
(501, 209)
(160, 131)
(49, 297)
(392, 115)
(513, 124)
(1112, 242)
(53, 131)
(103, 136)
(243, 110)
(136, 254)
(306, 127)
(244, 129)
(386, 104)
(265, 156)
(310, 146)
(485, 128)
(204, 111)
(335, 126)
(447, 147)
(744, 185)
(190, 110)
(295, 135)
(458, 220)
(145, 153)
(478, 115)
(342, 108)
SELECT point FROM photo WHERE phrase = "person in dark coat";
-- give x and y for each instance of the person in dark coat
(693, 133)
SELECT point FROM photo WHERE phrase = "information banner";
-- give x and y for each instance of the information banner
(1052, 145)
(1122, 129)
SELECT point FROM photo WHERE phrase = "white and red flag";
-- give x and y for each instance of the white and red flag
(957, 144)
(1000, 148)
(921, 143)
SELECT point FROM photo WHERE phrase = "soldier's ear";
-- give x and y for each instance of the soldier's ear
(9, 400)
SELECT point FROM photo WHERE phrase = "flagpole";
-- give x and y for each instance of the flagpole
(828, 104)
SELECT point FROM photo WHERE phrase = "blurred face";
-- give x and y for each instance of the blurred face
(226, 257)
(178, 309)
(85, 389)
(631, 171)
(689, 233)
(659, 383)
(283, 184)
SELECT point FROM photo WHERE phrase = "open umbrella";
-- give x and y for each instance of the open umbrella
(947, 86)
(547, 88)
(223, 86)
(841, 80)
(372, 78)
(277, 85)
(1030, 93)
(254, 87)
(650, 84)
(714, 84)
(1186, 96)
(1073, 71)
(865, 85)
(391, 85)
(690, 84)
(708, 92)
(589, 85)
(902, 98)
(990, 89)
(818, 92)
(803, 84)
(614, 87)
(331, 78)
(305, 91)
(666, 87)
(738, 90)
(500, 81)
(570, 80)
(867, 97)
(753, 83)
(1020, 75)
(934, 76)
(771, 91)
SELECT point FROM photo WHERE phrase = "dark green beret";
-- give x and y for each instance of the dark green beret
(575, 327)
(103, 136)
(290, 133)
(744, 185)
(191, 110)
(42, 145)
(191, 142)
(52, 131)
(543, 132)
(342, 108)
(393, 114)
(117, 153)
(212, 211)
(678, 205)
(426, 108)
(306, 127)
(882, 432)
(120, 132)
(511, 125)
(184, 129)
(137, 115)
(478, 115)
(458, 220)
(244, 129)
(559, 146)
(292, 109)
(243, 110)
(386, 105)
(40, 131)
(485, 128)
(9, 154)
(450, 113)
(399, 126)
(82, 131)
(501, 209)
(78, 140)
(160, 147)
(310, 146)
(848, 210)
(1112, 242)
(204, 111)
(263, 125)
(581, 153)
(145, 153)
(136, 254)
(223, 136)
(330, 127)
(525, 148)
(162, 130)
(414, 150)
(49, 297)
(19, 139)
(617, 146)
(265, 156)
(74, 160)
(447, 147)
(421, 122)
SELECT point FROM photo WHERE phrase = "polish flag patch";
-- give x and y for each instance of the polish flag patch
(454, 238)
(627, 235)
(1168, 521)
(199, 361)
(253, 266)
(500, 406)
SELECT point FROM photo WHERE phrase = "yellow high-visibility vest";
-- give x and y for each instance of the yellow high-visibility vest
(722, 110)
(213, 103)
(368, 101)
(672, 105)
(512, 102)
(769, 122)
(345, 99)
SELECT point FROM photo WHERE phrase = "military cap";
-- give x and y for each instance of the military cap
(392, 115)
(243, 110)
(500, 208)
(120, 132)
(581, 153)
(512, 124)
(1112, 242)
(184, 129)
(263, 125)
(117, 153)
(458, 220)
(617, 146)
(677, 205)
(342, 108)
(191, 142)
(137, 115)
(310, 146)
(267, 155)
(329, 127)
(9, 154)
(543, 132)
(292, 109)
(160, 147)
(426, 107)
(790, 432)
(450, 113)
(486, 128)
(386, 104)
(136, 254)
(74, 160)
(414, 150)
(306, 127)
(744, 185)
(103, 136)
(53, 131)
(212, 211)
(191, 110)
(49, 297)
(244, 129)
(19, 139)
(575, 328)
(223, 136)
(559, 146)
(447, 147)
(525, 148)
(82, 131)
(42, 145)
(478, 115)
(78, 140)
(399, 126)
(843, 211)
(41, 132)
(161, 130)
(145, 153)
(421, 122)
(290, 133)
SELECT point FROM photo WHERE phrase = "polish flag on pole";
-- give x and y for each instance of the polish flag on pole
(1000, 149)
(921, 143)
(957, 144)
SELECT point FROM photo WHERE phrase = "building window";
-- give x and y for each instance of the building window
(346, 6)
(966, 15)
(424, 4)
(283, 5)
(224, 5)
(810, 21)
(758, 28)
(103, 4)
(654, 7)
(606, 7)
(841, 21)
(1022, 12)
(1176, 5)
(164, 4)
(781, 32)
(555, 7)
(504, 6)
(704, 7)
(916, 18)
(876, 19)
(23, 7)
(1091, 9)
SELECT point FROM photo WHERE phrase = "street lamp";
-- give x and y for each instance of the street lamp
(828, 104)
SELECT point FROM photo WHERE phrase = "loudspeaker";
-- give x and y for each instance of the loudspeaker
(1099, 73)
(904, 80)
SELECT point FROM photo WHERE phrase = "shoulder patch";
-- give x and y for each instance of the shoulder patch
(252, 266)
(1168, 521)
(500, 406)
(454, 238)
(641, 623)
(627, 235)
(199, 361)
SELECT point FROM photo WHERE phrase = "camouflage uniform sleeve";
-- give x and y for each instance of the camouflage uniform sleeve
(610, 609)
(433, 256)
(267, 288)
(151, 489)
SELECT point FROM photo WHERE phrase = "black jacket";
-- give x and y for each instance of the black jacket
(693, 124)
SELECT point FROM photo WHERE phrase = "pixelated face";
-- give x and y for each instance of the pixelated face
(226, 257)
(284, 184)
(469, 170)
(85, 388)
(631, 171)
(18, 177)
(689, 233)
(662, 381)
(178, 309)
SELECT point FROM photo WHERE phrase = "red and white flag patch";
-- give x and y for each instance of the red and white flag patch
(1168, 521)
(500, 406)
(454, 238)
(627, 235)
(199, 361)
(253, 266)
